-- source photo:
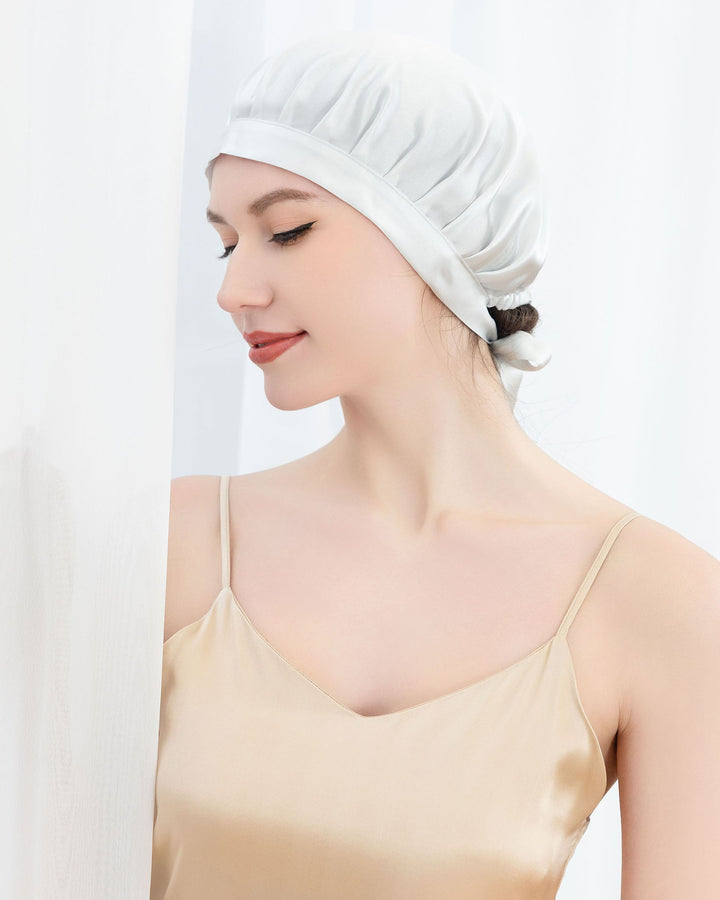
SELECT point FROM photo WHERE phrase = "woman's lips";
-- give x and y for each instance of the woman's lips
(272, 350)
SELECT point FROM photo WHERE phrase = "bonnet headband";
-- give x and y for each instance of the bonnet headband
(410, 135)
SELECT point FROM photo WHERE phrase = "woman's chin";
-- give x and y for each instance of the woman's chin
(289, 397)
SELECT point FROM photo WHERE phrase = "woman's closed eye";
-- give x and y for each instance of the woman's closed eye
(283, 238)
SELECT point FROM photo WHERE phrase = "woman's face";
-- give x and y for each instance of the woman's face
(339, 279)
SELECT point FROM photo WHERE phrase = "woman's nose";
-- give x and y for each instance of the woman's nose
(242, 286)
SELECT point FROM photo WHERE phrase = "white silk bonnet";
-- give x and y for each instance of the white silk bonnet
(412, 136)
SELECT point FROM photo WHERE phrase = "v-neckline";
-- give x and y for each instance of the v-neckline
(396, 713)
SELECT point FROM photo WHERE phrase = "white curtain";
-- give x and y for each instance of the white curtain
(93, 108)
(99, 255)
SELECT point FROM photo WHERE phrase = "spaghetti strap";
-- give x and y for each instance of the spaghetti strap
(594, 569)
(225, 529)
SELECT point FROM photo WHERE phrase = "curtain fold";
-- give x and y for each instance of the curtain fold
(93, 103)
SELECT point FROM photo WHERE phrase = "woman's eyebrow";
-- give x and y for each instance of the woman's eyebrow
(259, 205)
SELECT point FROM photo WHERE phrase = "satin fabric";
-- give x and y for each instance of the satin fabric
(269, 789)
(414, 137)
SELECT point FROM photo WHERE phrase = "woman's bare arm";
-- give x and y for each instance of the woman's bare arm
(669, 736)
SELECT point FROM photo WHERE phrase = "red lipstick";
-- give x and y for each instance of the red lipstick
(275, 343)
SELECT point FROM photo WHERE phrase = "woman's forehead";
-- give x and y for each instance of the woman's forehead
(250, 175)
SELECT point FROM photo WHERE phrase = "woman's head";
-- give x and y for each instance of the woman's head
(408, 136)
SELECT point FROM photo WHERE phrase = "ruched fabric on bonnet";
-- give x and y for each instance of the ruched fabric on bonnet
(411, 136)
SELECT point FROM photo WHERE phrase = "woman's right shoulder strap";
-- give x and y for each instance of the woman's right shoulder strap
(225, 528)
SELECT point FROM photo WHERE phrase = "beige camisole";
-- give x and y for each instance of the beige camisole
(269, 789)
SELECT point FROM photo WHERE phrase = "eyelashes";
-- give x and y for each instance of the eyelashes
(283, 238)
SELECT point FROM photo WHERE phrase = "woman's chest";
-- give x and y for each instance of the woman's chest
(383, 626)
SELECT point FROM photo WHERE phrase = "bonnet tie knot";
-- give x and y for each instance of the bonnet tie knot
(522, 350)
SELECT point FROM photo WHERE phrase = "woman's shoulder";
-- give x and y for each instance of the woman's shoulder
(658, 575)
(662, 567)
(193, 533)
(666, 605)
(194, 555)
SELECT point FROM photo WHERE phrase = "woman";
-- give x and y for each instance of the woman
(432, 649)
